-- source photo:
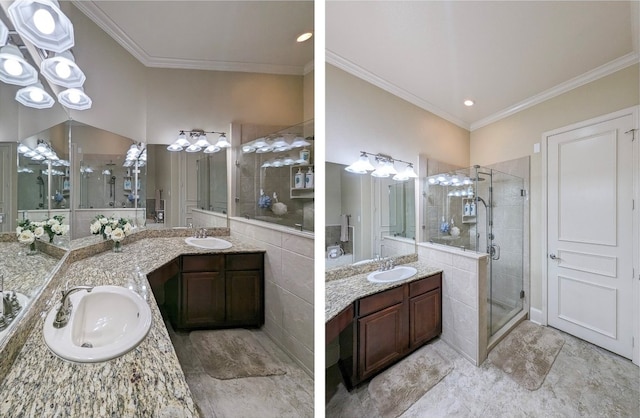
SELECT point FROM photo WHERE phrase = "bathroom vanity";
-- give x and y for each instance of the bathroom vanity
(146, 381)
(379, 324)
(213, 290)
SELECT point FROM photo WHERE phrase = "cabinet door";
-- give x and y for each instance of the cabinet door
(380, 339)
(424, 318)
(203, 301)
(245, 297)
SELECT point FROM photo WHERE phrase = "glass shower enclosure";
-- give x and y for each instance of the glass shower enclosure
(482, 209)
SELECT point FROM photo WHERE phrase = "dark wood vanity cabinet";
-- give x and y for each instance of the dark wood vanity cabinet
(217, 291)
(391, 324)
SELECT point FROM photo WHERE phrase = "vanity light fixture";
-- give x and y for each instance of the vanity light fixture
(75, 98)
(200, 142)
(61, 69)
(42, 23)
(386, 167)
(14, 69)
(35, 96)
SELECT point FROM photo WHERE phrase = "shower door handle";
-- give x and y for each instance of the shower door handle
(553, 256)
(494, 252)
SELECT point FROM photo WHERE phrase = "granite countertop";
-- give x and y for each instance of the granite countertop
(146, 382)
(340, 293)
(22, 273)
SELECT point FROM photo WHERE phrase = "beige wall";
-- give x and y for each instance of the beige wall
(308, 95)
(515, 136)
(362, 117)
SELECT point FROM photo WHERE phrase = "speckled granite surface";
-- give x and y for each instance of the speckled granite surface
(340, 293)
(146, 382)
(351, 270)
(22, 273)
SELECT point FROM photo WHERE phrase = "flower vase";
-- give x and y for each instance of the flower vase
(117, 246)
(104, 236)
(51, 238)
(32, 249)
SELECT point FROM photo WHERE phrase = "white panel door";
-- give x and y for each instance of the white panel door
(590, 234)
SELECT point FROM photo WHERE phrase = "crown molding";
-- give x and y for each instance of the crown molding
(354, 69)
(588, 77)
(93, 12)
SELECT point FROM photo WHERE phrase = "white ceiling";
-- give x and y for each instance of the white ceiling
(505, 56)
(248, 36)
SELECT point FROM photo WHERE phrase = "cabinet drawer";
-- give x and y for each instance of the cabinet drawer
(380, 300)
(245, 261)
(424, 285)
(202, 263)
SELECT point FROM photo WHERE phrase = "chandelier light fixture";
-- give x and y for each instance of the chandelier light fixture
(385, 167)
(198, 142)
(42, 152)
(43, 24)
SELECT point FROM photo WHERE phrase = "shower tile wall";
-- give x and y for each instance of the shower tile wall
(332, 237)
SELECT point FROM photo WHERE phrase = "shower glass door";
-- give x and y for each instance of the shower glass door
(505, 246)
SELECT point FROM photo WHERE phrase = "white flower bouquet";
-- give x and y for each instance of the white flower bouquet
(28, 231)
(115, 229)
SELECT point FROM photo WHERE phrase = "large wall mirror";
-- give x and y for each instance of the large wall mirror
(104, 181)
(366, 217)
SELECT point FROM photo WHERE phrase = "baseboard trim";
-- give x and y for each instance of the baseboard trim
(535, 316)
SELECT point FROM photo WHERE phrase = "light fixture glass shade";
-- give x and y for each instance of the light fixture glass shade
(193, 148)
(361, 166)
(211, 149)
(42, 23)
(222, 141)
(75, 98)
(390, 168)
(381, 171)
(4, 33)
(299, 142)
(61, 69)
(182, 140)
(248, 149)
(202, 141)
(14, 69)
(401, 177)
(22, 148)
(410, 172)
(35, 96)
(262, 143)
(280, 142)
(174, 147)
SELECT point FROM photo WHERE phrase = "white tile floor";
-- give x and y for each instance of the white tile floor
(584, 381)
(289, 395)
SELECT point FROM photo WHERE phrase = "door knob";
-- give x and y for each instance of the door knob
(553, 256)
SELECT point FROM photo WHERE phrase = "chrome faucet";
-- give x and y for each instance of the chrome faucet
(386, 263)
(64, 313)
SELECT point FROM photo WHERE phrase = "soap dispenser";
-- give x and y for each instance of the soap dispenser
(299, 179)
(472, 208)
(467, 209)
(308, 179)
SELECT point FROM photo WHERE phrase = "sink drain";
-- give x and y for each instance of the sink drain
(87, 345)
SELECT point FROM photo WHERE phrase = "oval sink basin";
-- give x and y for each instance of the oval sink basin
(393, 275)
(104, 324)
(210, 243)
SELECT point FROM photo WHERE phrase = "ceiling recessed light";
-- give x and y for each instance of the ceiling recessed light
(304, 37)
(469, 102)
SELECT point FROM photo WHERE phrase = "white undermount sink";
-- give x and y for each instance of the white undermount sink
(210, 243)
(395, 274)
(104, 324)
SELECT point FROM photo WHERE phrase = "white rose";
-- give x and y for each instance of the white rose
(127, 228)
(52, 222)
(95, 227)
(57, 229)
(107, 230)
(104, 221)
(18, 230)
(38, 232)
(26, 237)
(117, 235)
(114, 223)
